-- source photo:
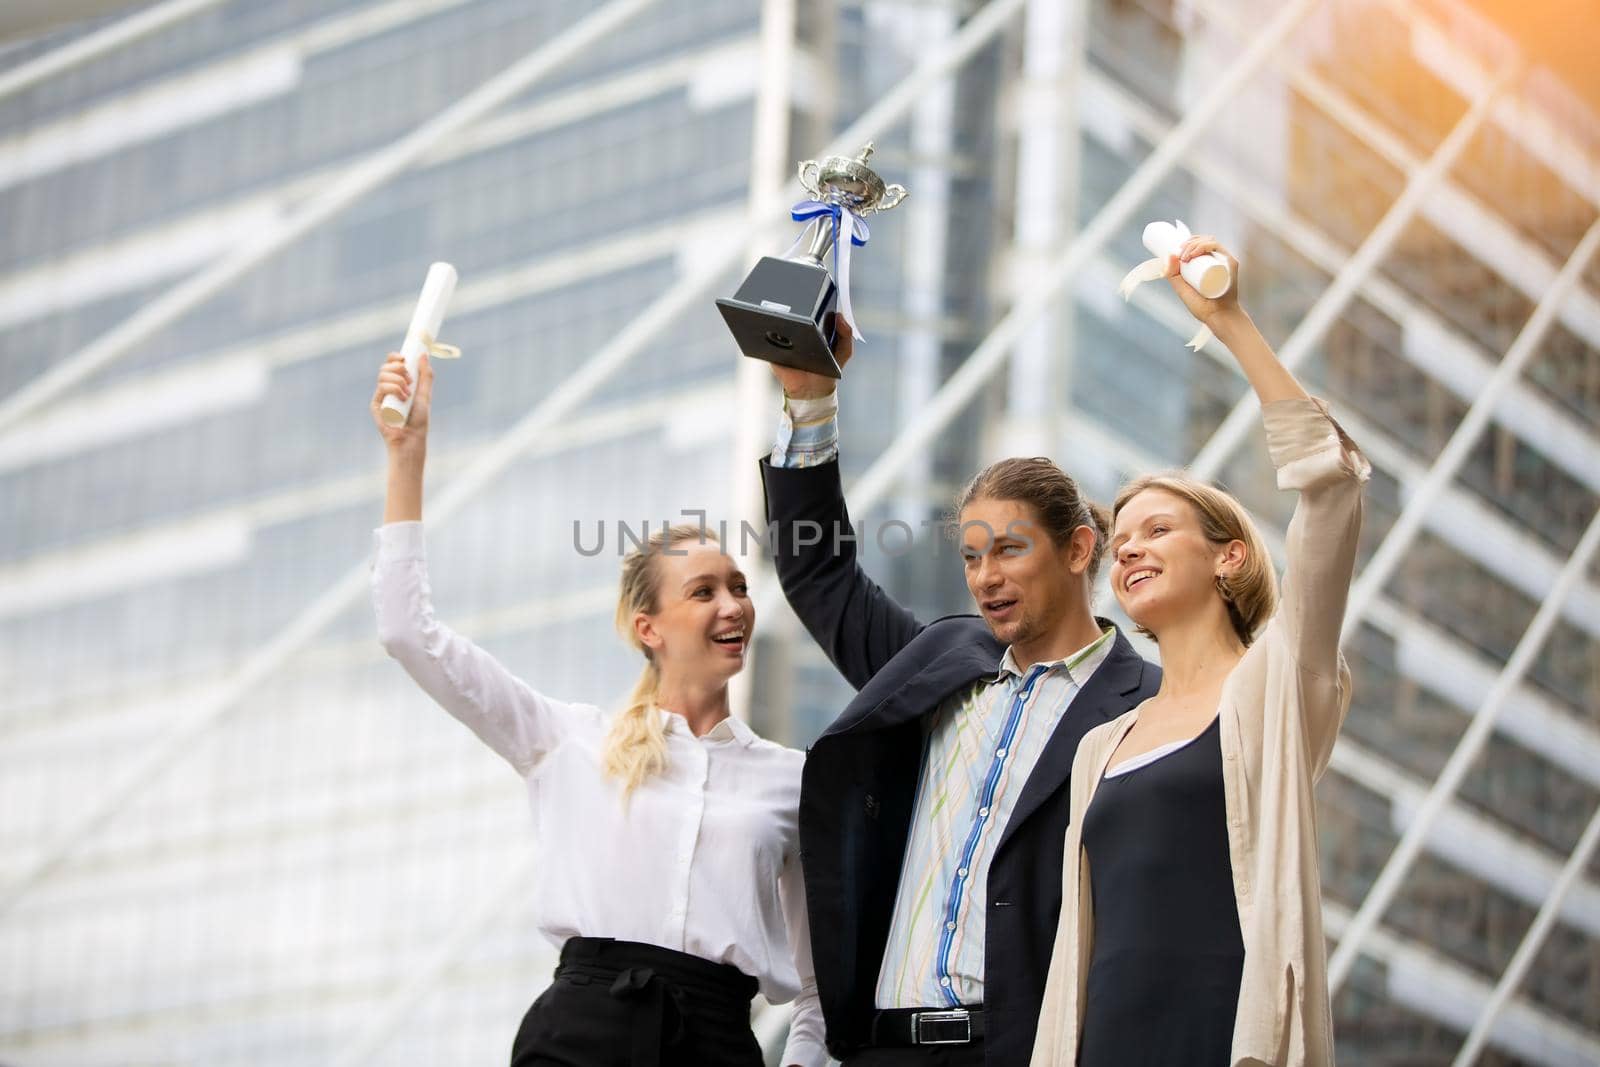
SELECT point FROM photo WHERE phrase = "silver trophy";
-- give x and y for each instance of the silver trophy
(784, 311)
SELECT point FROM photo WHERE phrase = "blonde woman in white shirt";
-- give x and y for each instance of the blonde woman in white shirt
(670, 872)
(1191, 917)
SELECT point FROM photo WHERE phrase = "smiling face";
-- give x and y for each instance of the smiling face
(1025, 585)
(703, 619)
(1163, 567)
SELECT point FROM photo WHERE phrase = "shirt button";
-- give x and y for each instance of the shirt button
(1000, 754)
(949, 926)
(983, 813)
(945, 982)
(962, 872)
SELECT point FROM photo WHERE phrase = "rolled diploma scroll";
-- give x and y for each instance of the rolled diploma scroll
(421, 336)
(1209, 274)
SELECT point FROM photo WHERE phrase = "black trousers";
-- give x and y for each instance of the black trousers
(968, 1055)
(625, 1004)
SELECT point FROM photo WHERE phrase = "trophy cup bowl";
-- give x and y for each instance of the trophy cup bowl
(783, 312)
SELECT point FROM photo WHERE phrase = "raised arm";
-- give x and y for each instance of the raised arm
(1226, 318)
(856, 622)
(514, 720)
(1315, 458)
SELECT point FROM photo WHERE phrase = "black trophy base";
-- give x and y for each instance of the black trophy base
(783, 314)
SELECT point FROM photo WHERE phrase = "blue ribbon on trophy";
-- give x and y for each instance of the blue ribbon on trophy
(789, 308)
(807, 210)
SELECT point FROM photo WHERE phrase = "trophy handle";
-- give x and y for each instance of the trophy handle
(809, 184)
(891, 196)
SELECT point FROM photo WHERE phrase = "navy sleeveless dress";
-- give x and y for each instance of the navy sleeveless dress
(1168, 956)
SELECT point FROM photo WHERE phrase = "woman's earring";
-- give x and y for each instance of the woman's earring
(1223, 590)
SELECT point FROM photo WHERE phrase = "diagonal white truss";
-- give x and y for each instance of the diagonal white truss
(1383, 561)
(958, 391)
(1368, 769)
(93, 45)
(560, 401)
(1517, 968)
(997, 347)
(348, 187)
(1336, 297)
(324, 609)
(972, 36)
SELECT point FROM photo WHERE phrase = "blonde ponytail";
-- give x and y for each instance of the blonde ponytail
(636, 745)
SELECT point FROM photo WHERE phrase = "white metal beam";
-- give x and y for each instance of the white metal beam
(1528, 949)
(1434, 346)
(127, 260)
(1491, 852)
(180, 98)
(96, 44)
(1457, 833)
(1466, 434)
(1545, 137)
(563, 399)
(1331, 304)
(1472, 224)
(511, 890)
(239, 375)
(977, 32)
(1426, 983)
(1046, 102)
(354, 183)
(1441, 662)
(996, 348)
(1455, 362)
(753, 382)
(1398, 865)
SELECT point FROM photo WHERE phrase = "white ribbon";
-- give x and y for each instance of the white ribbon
(438, 349)
(808, 210)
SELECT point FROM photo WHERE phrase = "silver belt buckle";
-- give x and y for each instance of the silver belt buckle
(941, 1027)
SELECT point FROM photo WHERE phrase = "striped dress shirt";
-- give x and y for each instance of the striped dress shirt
(981, 746)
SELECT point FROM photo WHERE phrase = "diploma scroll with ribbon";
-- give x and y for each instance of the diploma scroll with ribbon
(1209, 274)
(780, 313)
(437, 289)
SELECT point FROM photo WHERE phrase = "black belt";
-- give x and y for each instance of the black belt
(902, 1027)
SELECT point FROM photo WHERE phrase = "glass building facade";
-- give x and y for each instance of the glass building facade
(232, 832)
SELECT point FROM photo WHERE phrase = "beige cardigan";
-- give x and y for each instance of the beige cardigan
(1281, 710)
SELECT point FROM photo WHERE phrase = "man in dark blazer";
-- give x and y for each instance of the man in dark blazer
(932, 921)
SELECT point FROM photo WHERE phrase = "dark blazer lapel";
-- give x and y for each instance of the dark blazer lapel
(1108, 694)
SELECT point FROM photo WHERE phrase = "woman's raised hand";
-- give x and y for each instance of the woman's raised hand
(1206, 310)
(1224, 316)
(394, 381)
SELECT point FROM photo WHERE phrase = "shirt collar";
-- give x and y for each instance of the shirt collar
(729, 729)
(1077, 666)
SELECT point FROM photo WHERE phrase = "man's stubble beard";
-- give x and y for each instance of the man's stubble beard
(1025, 629)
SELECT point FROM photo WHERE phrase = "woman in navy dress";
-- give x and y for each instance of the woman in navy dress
(1190, 931)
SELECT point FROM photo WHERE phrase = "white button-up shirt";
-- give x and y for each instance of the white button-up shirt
(703, 859)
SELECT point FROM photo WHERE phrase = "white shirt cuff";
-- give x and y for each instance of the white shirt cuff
(400, 540)
(813, 410)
